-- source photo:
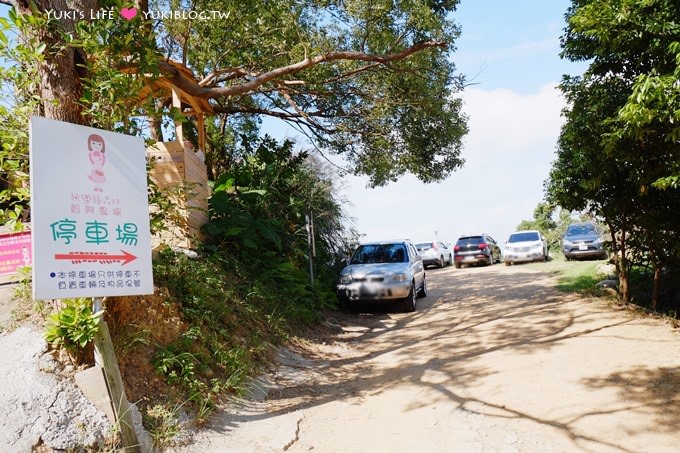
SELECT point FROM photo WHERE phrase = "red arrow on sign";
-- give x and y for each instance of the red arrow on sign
(91, 257)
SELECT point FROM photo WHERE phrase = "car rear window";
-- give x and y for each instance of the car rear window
(424, 246)
(524, 237)
(474, 240)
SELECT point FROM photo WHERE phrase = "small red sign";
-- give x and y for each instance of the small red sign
(15, 251)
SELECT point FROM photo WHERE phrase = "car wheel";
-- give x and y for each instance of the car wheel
(490, 263)
(440, 263)
(508, 263)
(422, 292)
(457, 265)
(409, 302)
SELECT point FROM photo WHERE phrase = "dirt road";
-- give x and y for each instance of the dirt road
(493, 360)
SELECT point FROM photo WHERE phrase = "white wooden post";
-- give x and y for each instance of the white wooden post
(105, 357)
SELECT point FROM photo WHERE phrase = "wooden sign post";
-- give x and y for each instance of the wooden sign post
(90, 225)
(105, 357)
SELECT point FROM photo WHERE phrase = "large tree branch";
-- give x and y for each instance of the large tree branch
(296, 107)
(349, 74)
(282, 114)
(222, 75)
(195, 89)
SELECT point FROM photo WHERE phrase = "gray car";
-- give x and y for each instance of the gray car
(583, 240)
(390, 272)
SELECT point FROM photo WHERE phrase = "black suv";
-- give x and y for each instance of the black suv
(476, 249)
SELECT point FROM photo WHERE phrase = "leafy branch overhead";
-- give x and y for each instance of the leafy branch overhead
(371, 80)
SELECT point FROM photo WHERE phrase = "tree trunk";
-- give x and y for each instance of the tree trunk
(61, 73)
(155, 125)
(624, 290)
(61, 88)
(656, 287)
(618, 250)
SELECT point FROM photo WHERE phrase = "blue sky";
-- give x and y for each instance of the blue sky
(510, 50)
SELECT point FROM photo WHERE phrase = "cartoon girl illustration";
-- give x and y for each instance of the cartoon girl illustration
(95, 143)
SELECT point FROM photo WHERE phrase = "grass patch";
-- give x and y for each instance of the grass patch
(578, 284)
(578, 277)
(574, 276)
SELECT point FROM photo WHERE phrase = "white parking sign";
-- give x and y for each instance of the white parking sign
(89, 212)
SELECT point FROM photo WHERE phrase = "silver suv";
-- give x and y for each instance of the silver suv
(390, 272)
(583, 240)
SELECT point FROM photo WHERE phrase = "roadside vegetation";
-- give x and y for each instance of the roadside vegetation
(583, 276)
(219, 311)
(618, 154)
(578, 276)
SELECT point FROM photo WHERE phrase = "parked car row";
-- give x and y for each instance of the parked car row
(580, 240)
(394, 271)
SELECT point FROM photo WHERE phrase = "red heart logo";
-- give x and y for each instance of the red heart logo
(128, 13)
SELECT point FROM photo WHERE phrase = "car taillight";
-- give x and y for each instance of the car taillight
(456, 248)
(482, 246)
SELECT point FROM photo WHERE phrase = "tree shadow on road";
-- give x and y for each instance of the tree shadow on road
(466, 316)
(653, 391)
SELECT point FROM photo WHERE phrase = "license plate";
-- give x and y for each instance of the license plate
(367, 291)
(583, 247)
(469, 258)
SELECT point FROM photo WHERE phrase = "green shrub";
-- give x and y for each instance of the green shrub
(229, 331)
(74, 325)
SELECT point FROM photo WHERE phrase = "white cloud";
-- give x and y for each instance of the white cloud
(497, 117)
(508, 153)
